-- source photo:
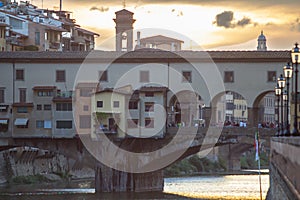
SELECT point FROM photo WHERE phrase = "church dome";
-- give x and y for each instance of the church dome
(262, 36)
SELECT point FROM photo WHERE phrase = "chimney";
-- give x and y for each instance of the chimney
(138, 41)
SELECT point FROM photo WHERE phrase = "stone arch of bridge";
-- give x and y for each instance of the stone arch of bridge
(220, 110)
(254, 110)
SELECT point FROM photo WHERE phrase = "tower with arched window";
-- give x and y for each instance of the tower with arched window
(124, 30)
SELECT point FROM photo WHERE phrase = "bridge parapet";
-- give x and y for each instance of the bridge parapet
(284, 168)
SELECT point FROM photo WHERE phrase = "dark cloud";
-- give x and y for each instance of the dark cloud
(243, 22)
(101, 9)
(226, 20)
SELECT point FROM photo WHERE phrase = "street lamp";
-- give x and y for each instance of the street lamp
(281, 84)
(277, 93)
(295, 57)
(288, 73)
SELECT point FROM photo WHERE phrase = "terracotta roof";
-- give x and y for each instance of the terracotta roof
(44, 88)
(87, 31)
(124, 11)
(22, 104)
(159, 38)
(147, 56)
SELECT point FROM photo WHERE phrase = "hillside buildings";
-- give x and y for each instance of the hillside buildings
(26, 27)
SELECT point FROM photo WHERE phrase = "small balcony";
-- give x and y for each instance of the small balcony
(65, 96)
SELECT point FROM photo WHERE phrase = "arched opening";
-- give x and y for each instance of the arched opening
(124, 41)
(186, 108)
(264, 110)
(229, 109)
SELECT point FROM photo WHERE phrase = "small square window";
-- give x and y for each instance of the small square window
(85, 108)
(20, 74)
(39, 124)
(99, 104)
(187, 76)
(116, 104)
(103, 76)
(133, 105)
(149, 123)
(149, 107)
(228, 76)
(47, 107)
(60, 76)
(271, 76)
(38, 107)
(2, 90)
(149, 94)
(144, 76)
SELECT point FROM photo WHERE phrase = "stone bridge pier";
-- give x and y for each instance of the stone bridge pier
(111, 180)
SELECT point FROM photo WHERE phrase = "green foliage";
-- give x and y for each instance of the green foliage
(193, 165)
(248, 160)
(31, 48)
(101, 115)
(33, 179)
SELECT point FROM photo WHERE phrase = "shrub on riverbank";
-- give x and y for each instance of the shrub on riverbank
(32, 179)
(193, 165)
(248, 160)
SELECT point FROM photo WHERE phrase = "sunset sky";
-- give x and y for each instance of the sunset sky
(212, 24)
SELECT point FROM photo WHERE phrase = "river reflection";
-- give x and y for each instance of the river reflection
(244, 187)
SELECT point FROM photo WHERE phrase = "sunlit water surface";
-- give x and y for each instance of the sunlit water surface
(244, 187)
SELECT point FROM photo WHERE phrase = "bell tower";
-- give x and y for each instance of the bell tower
(261, 42)
(124, 30)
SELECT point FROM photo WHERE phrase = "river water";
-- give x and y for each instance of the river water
(244, 187)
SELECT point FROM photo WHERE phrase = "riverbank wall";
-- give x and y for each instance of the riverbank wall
(284, 169)
(19, 162)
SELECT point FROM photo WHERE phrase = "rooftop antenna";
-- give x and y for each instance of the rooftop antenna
(124, 4)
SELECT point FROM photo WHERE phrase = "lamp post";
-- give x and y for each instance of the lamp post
(277, 93)
(285, 98)
(281, 84)
(295, 56)
(288, 73)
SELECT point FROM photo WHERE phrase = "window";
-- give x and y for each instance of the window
(116, 104)
(85, 92)
(22, 110)
(85, 108)
(149, 94)
(22, 94)
(132, 123)
(3, 125)
(2, 99)
(37, 38)
(20, 74)
(60, 76)
(64, 124)
(149, 107)
(271, 76)
(149, 123)
(39, 124)
(187, 76)
(84, 121)
(103, 76)
(99, 104)
(228, 76)
(144, 76)
(64, 107)
(133, 105)
(45, 93)
(47, 107)
(39, 107)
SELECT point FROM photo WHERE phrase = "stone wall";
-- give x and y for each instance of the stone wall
(24, 162)
(284, 169)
